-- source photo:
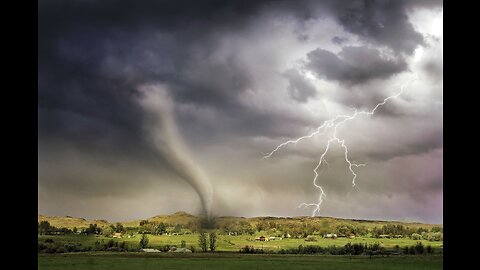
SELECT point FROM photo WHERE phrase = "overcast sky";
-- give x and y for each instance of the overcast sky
(145, 107)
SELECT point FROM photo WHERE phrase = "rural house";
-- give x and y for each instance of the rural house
(330, 235)
(261, 238)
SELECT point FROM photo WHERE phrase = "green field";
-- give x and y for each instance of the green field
(227, 254)
(141, 261)
(234, 243)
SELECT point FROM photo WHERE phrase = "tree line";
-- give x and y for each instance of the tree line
(349, 249)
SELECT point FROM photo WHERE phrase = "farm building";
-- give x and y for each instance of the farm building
(261, 238)
(183, 250)
(149, 250)
(117, 235)
(330, 235)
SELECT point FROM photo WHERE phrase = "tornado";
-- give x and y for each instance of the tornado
(162, 132)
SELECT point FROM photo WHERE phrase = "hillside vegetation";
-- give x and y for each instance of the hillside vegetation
(324, 235)
(71, 222)
(185, 219)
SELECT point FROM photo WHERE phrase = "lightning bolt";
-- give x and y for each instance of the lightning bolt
(333, 125)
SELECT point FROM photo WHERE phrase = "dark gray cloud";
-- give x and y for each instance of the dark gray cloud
(238, 86)
(382, 22)
(339, 40)
(299, 87)
(353, 65)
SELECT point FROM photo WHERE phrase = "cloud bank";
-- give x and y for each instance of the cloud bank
(240, 77)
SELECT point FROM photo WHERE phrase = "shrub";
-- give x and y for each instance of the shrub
(97, 246)
(357, 248)
(144, 241)
(107, 232)
(416, 236)
(310, 238)
(165, 248)
(70, 247)
(251, 250)
(247, 249)
(309, 249)
(434, 236)
(60, 250)
(41, 246)
(123, 246)
(111, 243)
(419, 248)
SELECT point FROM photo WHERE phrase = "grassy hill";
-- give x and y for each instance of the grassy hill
(184, 218)
(71, 222)
(181, 217)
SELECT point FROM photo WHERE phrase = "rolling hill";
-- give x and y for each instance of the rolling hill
(184, 218)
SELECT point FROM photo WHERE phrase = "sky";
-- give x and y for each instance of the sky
(152, 107)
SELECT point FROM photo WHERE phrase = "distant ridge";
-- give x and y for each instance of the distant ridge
(71, 222)
(184, 218)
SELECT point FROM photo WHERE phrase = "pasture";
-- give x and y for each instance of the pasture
(165, 261)
(234, 243)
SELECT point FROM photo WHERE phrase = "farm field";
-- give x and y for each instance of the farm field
(180, 229)
(142, 261)
(234, 243)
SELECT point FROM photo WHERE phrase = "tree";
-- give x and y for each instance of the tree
(419, 248)
(213, 241)
(260, 226)
(119, 228)
(144, 241)
(420, 230)
(272, 225)
(44, 227)
(92, 228)
(202, 241)
(416, 236)
(107, 232)
(161, 228)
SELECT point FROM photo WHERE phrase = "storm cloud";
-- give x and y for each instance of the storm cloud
(240, 77)
(299, 87)
(353, 65)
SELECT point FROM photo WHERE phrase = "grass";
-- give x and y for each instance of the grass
(71, 222)
(142, 261)
(234, 243)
